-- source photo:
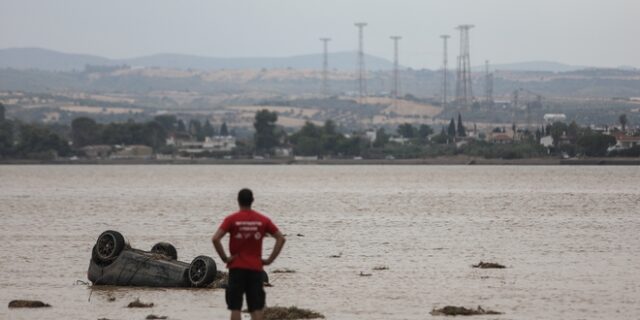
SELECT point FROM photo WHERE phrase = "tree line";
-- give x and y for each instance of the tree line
(19, 140)
(40, 141)
(33, 141)
(86, 131)
(420, 141)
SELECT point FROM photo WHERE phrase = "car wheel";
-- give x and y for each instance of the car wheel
(166, 249)
(109, 245)
(202, 271)
(96, 259)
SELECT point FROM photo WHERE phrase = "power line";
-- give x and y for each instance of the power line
(325, 65)
(445, 61)
(362, 82)
(488, 85)
(396, 69)
(464, 93)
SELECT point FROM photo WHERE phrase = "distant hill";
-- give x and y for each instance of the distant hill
(49, 60)
(339, 60)
(43, 59)
(536, 66)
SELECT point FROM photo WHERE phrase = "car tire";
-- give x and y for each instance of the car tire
(202, 271)
(166, 249)
(108, 246)
(96, 259)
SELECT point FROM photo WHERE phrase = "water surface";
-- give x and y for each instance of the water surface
(570, 237)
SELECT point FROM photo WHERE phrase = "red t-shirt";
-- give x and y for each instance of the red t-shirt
(246, 230)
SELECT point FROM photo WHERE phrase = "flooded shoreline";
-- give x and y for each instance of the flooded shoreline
(461, 160)
(566, 234)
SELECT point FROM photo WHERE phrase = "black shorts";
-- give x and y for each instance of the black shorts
(249, 282)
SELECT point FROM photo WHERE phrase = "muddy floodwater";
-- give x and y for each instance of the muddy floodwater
(569, 237)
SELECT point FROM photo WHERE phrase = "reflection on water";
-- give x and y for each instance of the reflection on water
(568, 235)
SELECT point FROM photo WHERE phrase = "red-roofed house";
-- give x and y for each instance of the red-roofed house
(500, 138)
(625, 141)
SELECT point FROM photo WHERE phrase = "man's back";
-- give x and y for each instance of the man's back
(246, 229)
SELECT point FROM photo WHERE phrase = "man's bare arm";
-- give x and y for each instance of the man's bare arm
(217, 244)
(280, 240)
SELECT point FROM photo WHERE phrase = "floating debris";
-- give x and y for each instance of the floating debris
(461, 311)
(285, 270)
(153, 316)
(336, 255)
(362, 274)
(290, 313)
(139, 304)
(300, 235)
(221, 280)
(111, 298)
(380, 268)
(28, 304)
(488, 265)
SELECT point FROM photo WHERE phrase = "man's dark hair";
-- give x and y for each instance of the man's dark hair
(245, 197)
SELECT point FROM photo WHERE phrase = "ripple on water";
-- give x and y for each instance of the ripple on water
(567, 234)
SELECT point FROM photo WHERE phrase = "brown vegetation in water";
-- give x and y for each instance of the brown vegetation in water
(222, 278)
(139, 304)
(461, 311)
(488, 265)
(285, 270)
(290, 313)
(28, 304)
(380, 268)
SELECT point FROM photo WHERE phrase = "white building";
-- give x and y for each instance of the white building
(283, 152)
(399, 140)
(551, 118)
(210, 144)
(219, 143)
(547, 141)
(371, 135)
(624, 141)
(133, 152)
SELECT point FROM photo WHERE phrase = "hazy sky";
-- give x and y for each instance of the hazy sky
(581, 32)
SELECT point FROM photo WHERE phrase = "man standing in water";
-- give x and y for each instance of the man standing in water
(246, 230)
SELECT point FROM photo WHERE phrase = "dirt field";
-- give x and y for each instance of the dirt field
(89, 109)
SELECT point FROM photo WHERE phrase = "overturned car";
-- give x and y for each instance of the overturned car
(114, 262)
